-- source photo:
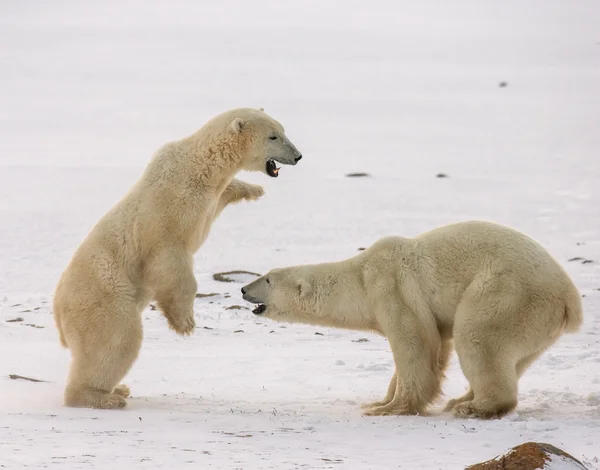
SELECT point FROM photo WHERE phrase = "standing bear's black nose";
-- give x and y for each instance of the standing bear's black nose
(243, 291)
(298, 158)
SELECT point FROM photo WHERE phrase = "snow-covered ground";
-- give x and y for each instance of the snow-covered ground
(403, 90)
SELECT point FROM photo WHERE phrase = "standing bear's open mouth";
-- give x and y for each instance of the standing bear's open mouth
(272, 169)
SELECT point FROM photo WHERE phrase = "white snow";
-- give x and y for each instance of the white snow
(400, 89)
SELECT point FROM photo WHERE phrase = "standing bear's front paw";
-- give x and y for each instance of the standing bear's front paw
(184, 326)
(253, 192)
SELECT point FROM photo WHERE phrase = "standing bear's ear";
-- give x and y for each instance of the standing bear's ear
(261, 109)
(237, 125)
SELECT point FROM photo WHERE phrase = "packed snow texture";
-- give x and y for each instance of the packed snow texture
(501, 97)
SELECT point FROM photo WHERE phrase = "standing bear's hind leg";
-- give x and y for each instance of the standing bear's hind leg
(101, 358)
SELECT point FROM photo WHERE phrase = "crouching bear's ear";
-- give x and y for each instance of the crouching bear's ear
(237, 125)
(304, 287)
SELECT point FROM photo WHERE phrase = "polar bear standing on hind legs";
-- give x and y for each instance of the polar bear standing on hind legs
(142, 249)
(492, 291)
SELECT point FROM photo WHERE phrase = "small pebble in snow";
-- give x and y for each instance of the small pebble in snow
(503, 84)
(441, 175)
(339, 362)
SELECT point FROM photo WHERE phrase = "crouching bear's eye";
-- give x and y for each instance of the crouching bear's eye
(273, 137)
(268, 282)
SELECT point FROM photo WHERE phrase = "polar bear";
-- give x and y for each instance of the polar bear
(142, 249)
(489, 289)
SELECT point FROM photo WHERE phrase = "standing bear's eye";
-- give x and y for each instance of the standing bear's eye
(268, 282)
(273, 137)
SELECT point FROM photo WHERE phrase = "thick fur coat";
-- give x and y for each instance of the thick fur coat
(489, 291)
(142, 249)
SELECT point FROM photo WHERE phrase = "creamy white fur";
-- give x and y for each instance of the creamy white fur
(142, 249)
(490, 290)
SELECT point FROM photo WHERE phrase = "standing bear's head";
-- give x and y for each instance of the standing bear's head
(259, 139)
(284, 294)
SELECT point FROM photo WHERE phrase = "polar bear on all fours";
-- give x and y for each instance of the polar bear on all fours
(142, 249)
(490, 291)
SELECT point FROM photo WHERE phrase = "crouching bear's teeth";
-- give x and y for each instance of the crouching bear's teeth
(272, 169)
(260, 309)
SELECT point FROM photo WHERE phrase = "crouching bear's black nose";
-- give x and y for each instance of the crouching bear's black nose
(243, 291)
(298, 158)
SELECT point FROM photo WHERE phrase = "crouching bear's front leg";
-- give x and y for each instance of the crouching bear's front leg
(172, 279)
(416, 382)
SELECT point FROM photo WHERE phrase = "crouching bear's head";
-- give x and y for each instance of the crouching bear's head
(283, 295)
(263, 142)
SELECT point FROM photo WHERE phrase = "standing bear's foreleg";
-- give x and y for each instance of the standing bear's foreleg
(417, 383)
(172, 280)
(238, 191)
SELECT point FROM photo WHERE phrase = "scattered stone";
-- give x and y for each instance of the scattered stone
(531, 456)
(357, 175)
(14, 320)
(272, 331)
(26, 311)
(441, 175)
(20, 377)
(152, 307)
(319, 334)
(360, 340)
(238, 331)
(236, 307)
(207, 328)
(224, 277)
(32, 325)
(201, 296)
(503, 84)
(583, 260)
(362, 249)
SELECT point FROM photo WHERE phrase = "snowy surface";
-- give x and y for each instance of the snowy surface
(403, 90)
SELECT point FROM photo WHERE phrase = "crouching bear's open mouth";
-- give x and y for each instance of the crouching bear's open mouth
(272, 169)
(259, 309)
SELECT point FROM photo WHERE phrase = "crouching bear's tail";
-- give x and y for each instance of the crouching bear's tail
(573, 311)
